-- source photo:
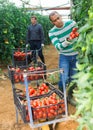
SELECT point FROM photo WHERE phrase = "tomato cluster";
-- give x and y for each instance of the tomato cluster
(73, 34)
(46, 108)
(18, 74)
(42, 89)
(20, 55)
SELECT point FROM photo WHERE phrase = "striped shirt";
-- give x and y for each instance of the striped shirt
(58, 36)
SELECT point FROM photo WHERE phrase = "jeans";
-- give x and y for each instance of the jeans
(68, 64)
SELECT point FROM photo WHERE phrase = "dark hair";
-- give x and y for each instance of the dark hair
(34, 17)
(53, 13)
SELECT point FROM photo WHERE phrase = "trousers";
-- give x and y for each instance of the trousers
(68, 64)
(35, 45)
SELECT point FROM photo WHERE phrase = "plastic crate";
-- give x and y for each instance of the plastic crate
(20, 106)
(34, 71)
(21, 57)
(45, 112)
(22, 93)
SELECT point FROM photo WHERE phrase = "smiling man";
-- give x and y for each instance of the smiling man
(67, 55)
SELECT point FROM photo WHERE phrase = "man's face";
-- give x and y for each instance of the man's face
(33, 21)
(57, 20)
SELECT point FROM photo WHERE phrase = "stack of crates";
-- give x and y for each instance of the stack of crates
(46, 107)
(36, 104)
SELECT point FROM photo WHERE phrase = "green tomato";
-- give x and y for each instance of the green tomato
(5, 31)
(83, 49)
(91, 40)
(91, 15)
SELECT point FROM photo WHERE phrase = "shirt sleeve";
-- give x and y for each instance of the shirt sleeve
(55, 41)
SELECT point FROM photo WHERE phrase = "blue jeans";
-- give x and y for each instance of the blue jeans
(68, 64)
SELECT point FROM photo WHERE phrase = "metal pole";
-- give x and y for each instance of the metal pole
(28, 99)
(64, 91)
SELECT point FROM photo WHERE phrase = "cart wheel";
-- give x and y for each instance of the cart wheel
(45, 127)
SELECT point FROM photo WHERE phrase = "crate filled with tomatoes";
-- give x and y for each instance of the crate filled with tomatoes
(21, 56)
(34, 71)
(45, 107)
(35, 90)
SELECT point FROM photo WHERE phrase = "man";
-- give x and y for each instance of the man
(67, 55)
(35, 37)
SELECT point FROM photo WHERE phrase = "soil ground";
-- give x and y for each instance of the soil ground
(7, 107)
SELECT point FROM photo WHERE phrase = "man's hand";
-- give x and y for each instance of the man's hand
(42, 45)
(27, 45)
(67, 41)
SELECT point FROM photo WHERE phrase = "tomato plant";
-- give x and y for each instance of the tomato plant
(84, 78)
(14, 22)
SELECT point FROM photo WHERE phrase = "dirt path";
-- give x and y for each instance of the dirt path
(7, 107)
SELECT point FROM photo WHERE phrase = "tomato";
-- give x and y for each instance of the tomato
(70, 38)
(40, 114)
(38, 68)
(60, 111)
(44, 115)
(77, 34)
(44, 85)
(21, 77)
(34, 112)
(73, 36)
(54, 101)
(42, 88)
(49, 115)
(31, 68)
(52, 111)
(26, 107)
(27, 118)
(74, 29)
(46, 90)
(43, 109)
(56, 107)
(55, 113)
(31, 91)
(16, 76)
(17, 70)
(35, 104)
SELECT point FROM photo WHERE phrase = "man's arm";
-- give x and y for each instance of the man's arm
(58, 45)
(42, 35)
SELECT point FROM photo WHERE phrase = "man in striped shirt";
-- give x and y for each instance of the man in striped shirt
(67, 55)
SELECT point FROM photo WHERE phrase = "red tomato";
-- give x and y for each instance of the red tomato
(77, 34)
(27, 118)
(52, 111)
(44, 115)
(74, 29)
(17, 70)
(31, 91)
(40, 114)
(73, 36)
